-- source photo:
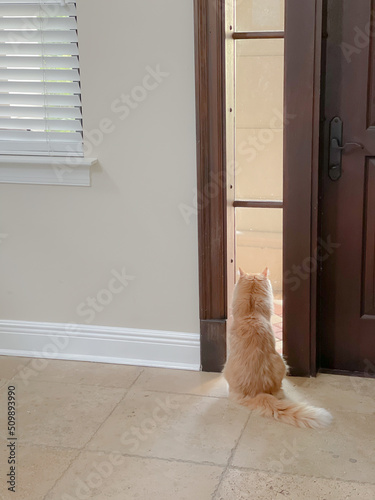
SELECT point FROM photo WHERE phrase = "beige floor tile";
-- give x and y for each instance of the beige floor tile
(37, 469)
(334, 392)
(10, 366)
(161, 425)
(183, 382)
(78, 373)
(55, 414)
(345, 450)
(249, 485)
(101, 476)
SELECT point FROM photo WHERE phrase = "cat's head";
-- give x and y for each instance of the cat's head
(257, 277)
(253, 291)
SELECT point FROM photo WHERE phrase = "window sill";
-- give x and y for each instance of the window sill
(56, 171)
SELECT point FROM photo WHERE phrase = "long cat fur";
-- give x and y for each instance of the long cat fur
(254, 369)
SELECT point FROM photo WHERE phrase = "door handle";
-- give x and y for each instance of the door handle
(335, 145)
(336, 149)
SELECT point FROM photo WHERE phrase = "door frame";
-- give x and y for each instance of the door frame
(209, 20)
(302, 95)
(303, 21)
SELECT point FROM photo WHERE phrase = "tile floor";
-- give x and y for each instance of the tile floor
(98, 431)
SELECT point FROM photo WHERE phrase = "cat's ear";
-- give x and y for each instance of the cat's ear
(266, 272)
(242, 273)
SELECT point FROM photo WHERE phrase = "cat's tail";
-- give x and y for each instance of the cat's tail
(298, 414)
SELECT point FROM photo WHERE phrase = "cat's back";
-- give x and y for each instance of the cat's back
(253, 326)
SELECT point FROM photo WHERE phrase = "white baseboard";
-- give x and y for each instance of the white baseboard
(101, 344)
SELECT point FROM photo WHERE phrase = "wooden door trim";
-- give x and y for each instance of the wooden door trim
(301, 165)
(303, 21)
(211, 179)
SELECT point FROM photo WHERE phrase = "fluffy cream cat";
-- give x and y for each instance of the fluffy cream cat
(254, 369)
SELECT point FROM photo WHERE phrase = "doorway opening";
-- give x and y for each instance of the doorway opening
(293, 238)
(255, 58)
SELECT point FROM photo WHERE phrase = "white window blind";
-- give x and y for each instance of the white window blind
(40, 94)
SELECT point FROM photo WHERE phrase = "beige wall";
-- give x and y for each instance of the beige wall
(65, 244)
(259, 242)
(259, 15)
(259, 119)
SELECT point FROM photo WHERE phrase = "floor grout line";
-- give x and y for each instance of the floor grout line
(229, 461)
(114, 408)
(81, 450)
(38, 372)
(61, 382)
(163, 459)
(48, 446)
(206, 463)
(126, 455)
(181, 393)
(227, 466)
(136, 378)
(63, 472)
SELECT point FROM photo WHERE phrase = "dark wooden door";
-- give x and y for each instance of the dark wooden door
(347, 216)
